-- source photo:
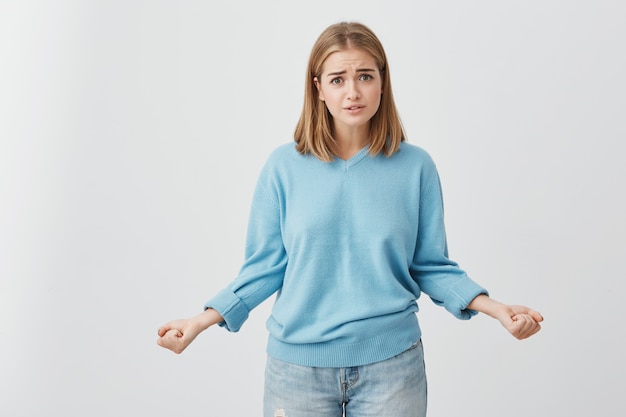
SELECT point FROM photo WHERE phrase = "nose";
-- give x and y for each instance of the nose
(353, 92)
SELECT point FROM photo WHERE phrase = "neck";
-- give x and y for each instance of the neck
(351, 141)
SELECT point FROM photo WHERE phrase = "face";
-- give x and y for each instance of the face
(350, 85)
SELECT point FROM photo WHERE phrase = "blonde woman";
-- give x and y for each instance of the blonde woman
(346, 226)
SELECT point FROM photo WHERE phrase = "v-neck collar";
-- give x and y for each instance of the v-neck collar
(346, 164)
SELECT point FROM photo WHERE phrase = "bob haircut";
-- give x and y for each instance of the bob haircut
(314, 132)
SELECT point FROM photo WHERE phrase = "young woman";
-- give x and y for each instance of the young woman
(347, 227)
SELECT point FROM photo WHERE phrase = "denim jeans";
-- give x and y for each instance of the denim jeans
(395, 387)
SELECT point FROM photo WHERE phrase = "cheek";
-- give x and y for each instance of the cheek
(330, 99)
(376, 97)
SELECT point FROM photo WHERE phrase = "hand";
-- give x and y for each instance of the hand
(176, 335)
(520, 321)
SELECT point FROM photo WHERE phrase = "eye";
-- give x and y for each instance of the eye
(336, 81)
(365, 77)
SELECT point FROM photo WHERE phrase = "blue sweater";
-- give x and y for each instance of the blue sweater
(348, 246)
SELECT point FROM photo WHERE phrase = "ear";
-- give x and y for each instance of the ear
(319, 90)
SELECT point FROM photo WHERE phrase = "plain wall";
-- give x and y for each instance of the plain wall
(131, 136)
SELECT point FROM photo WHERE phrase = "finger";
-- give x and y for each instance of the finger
(522, 326)
(164, 341)
(532, 321)
(175, 341)
(529, 332)
(174, 333)
(175, 324)
(161, 342)
(165, 328)
(172, 336)
(526, 326)
(172, 340)
(532, 313)
(536, 315)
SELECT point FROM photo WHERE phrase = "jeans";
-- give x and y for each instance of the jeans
(395, 387)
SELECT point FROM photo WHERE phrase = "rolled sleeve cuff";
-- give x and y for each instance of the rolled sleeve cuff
(231, 308)
(458, 298)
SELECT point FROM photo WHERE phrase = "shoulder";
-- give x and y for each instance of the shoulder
(415, 156)
(285, 150)
(282, 161)
(282, 154)
(413, 151)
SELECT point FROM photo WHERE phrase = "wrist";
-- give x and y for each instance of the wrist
(208, 318)
(486, 305)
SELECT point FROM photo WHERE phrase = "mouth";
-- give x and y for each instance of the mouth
(353, 108)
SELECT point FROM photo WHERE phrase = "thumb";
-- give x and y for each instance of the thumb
(171, 340)
(173, 334)
(162, 330)
(168, 337)
(535, 315)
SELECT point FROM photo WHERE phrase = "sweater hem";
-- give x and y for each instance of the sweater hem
(338, 355)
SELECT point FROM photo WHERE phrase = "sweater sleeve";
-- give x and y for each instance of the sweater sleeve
(437, 275)
(263, 269)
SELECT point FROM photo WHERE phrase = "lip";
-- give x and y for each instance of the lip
(354, 108)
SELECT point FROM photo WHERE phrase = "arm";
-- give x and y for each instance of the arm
(263, 270)
(178, 334)
(520, 321)
(436, 274)
(445, 282)
(260, 276)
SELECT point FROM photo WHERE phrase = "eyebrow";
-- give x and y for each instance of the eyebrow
(343, 72)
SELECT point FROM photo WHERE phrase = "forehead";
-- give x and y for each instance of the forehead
(351, 58)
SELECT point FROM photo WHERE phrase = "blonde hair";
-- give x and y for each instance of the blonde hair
(313, 133)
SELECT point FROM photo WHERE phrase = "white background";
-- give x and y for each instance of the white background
(131, 135)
